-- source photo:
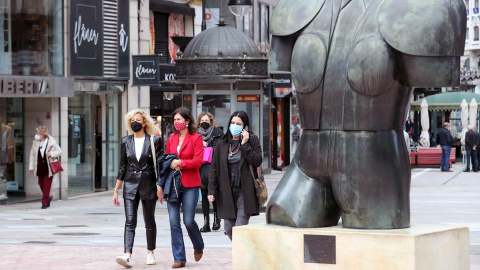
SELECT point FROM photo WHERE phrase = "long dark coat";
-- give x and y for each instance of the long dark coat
(138, 175)
(205, 169)
(219, 180)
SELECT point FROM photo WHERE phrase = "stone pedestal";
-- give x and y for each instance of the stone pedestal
(420, 247)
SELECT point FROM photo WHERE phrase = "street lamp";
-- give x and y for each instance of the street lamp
(238, 8)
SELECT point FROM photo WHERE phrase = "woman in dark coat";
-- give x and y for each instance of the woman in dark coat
(230, 181)
(137, 176)
(207, 127)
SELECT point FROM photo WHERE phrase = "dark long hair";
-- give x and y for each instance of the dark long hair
(187, 115)
(246, 123)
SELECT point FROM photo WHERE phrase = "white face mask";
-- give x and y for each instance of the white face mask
(37, 137)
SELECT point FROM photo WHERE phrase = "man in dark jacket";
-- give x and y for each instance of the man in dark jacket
(446, 141)
(471, 141)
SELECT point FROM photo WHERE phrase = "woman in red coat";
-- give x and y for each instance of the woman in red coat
(188, 146)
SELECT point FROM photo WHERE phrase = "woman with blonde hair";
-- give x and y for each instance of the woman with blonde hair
(207, 127)
(43, 148)
(138, 176)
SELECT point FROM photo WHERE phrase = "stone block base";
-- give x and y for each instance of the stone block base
(420, 247)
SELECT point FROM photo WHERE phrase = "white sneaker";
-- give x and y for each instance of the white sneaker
(151, 259)
(124, 260)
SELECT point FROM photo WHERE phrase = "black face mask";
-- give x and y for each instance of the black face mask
(136, 127)
(205, 125)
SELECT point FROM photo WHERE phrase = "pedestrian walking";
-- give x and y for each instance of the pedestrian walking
(446, 142)
(187, 144)
(238, 154)
(44, 147)
(137, 175)
(207, 127)
(471, 141)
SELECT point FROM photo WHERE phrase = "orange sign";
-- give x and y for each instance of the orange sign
(248, 98)
(187, 98)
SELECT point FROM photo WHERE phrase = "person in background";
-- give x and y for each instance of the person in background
(446, 141)
(231, 181)
(471, 141)
(409, 126)
(137, 175)
(43, 148)
(207, 127)
(187, 144)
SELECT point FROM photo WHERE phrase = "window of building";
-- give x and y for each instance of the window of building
(475, 33)
(476, 3)
(32, 37)
(467, 3)
(466, 34)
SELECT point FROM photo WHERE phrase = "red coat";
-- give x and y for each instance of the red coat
(191, 155)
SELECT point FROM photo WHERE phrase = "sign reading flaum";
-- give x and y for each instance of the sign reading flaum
(145, 70)
(86, 39)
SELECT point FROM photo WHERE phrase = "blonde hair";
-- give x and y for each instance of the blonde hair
(213, 122)
(43, 130)
(147, 120)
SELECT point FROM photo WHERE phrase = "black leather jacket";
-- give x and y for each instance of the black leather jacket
(138, 175)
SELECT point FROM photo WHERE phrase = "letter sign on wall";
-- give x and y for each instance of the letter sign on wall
(145, 70)
(86, 38)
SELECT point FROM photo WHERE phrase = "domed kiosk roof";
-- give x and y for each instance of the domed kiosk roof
(222, 41)
(223, 52)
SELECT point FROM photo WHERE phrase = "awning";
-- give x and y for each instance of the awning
(445, 101)
(171, 7)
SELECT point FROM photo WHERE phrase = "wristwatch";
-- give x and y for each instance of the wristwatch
(116, 189)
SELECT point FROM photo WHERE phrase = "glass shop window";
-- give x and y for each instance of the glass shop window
(475, 33)
(32, 37)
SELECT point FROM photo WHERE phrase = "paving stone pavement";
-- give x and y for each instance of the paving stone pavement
(86, 232)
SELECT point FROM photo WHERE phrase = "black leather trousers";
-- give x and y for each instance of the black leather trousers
(131, 208)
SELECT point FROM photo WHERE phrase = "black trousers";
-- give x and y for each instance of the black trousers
(131, 208)
(206, 203)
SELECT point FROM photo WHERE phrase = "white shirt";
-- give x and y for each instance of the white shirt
(43, 145)
(178, 149)
(139, 146)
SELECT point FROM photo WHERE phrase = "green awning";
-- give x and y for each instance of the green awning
(445, 101)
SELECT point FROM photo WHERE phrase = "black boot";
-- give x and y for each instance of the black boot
(206, 226)
(216, 222)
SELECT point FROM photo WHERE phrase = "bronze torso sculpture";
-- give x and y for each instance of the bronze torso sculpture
(354, 63)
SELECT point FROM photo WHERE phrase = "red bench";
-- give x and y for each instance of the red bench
(429, 156)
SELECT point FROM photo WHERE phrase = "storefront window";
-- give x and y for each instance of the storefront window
(11, 144)
(114, 123)
(267, 146)
(251, 105)
(32, 37)
(218, 105)
(80, 158)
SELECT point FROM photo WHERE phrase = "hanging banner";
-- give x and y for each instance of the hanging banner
(86, 38)
(123, 26)
(145, 70)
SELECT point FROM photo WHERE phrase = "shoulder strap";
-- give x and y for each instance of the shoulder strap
(154, 156)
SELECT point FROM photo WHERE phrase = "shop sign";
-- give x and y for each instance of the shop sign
(86, 44)
(187, 98)
(32, 86)
(167, 73)
(282, 80)
(282, 92)
(248, 98)
(146, 70)
(123, 26)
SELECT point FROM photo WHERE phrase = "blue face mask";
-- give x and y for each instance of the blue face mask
(235, 129)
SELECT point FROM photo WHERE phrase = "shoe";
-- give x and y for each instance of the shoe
(124, 260)
(466, 170)
(178, 265)
(150, 258)
(205, 228)
(44, 206)
(49, 200)
(198, 255)
(216, 222)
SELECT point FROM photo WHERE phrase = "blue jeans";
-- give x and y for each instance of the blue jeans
(189, 204)
(473, 154)
(445, 162)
